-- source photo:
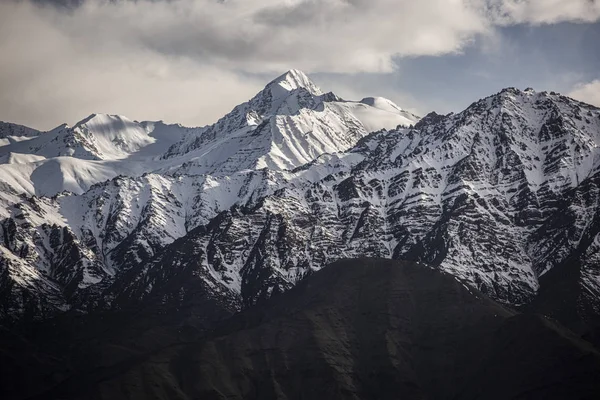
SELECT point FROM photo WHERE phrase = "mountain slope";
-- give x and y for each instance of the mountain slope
(431, 340)
(358, 329)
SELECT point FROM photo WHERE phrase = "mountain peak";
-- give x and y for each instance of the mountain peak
(381, 103)
(102, 119)
(295, 79)
(85, 120)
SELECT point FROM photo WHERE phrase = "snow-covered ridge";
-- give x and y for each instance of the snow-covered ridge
(8, 130)
(96, 149)
(289, 123)
(112, 137)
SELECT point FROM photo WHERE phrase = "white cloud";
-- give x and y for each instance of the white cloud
(587, 92)
(270, 35)
(51, 73)
(189, 60)
(546, 11)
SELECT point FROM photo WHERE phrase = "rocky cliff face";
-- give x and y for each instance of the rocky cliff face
(497, 195)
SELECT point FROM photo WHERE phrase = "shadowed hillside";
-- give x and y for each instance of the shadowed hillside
(360, 329)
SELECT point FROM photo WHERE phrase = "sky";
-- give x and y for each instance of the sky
(192, 61)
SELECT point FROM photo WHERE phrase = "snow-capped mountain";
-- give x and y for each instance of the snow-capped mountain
(289, 123)
(498, 195)
(123, 190)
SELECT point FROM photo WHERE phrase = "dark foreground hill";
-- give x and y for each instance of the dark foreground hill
(358, 329)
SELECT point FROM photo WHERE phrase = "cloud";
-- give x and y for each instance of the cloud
(51, 73)
(192, 60)
(271, 35)
(587, 92)
(545, 11)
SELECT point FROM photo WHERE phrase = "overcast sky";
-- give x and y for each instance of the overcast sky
(192, 61)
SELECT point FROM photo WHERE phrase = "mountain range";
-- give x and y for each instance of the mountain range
(158, 234)
(113, 211)
(110, 210)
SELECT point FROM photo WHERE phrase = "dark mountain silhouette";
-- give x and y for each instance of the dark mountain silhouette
(358, 329)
